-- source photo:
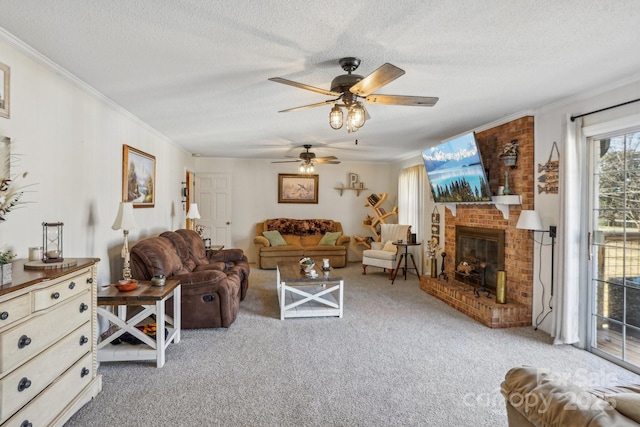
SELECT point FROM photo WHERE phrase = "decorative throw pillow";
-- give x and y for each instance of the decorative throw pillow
(390, 247)
(275, 238)
(329, 239)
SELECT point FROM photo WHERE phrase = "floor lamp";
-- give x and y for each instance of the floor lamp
(125, 222)
(530, 220)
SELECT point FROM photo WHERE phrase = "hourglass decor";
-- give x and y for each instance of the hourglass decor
(52, 242)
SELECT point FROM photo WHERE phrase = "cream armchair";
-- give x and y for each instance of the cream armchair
(384, 254)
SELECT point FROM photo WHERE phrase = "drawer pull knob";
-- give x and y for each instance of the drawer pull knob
(83, 340)
(4, 315)
(84, 372)
(72, 285)
(24, 341)
(26, 423)
(83, 307)
(55, 295)
(90, 280)
(24, 384)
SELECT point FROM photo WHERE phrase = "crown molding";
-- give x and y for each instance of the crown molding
(38, 57)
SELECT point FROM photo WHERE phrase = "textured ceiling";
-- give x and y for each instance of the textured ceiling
(197, 70)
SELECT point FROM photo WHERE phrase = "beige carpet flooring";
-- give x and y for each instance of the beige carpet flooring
(399, 357)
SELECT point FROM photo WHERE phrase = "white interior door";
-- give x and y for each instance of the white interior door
(214, 201)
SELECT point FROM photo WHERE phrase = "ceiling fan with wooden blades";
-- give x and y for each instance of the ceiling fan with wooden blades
(349, 89)
(307, 159)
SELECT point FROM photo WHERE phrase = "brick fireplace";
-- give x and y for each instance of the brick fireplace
(517, 244)
(479, 256)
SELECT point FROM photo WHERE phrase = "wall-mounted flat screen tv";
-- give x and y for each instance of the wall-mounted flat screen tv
(455, 171)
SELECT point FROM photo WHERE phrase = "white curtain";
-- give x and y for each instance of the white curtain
(411, 185)
(573, 216)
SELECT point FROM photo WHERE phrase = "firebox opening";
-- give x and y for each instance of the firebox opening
(479, 255)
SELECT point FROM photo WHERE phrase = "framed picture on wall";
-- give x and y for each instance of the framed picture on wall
(294, 188)
(138, 177)
(4, 90)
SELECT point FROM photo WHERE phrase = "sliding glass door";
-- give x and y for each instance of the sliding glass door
(615, 248)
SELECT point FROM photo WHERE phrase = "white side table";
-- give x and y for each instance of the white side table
(151, 300)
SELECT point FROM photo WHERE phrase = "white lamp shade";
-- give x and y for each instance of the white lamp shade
(529, 220)
(124, 219)
(193, 211)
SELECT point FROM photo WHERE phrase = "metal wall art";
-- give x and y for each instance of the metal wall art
(548, 178)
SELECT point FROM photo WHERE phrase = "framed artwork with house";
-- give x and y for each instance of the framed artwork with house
(294, 188)
(138, 177)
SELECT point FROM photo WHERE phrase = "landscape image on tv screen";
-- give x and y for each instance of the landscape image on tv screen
(455, 171)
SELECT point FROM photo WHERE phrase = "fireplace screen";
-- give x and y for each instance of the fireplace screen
(479, 255)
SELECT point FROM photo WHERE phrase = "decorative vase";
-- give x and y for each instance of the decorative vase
(506, 190)
(5, 274)
(501, 287)
(434, 267)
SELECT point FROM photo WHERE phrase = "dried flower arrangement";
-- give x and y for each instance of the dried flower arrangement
(433, 248)
(10, 194)
(510, 149)
(11, 190)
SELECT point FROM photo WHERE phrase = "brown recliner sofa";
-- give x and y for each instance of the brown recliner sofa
(536, 397)
(212, 286)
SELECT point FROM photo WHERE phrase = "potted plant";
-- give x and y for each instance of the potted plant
(510, 153)
(5, 266)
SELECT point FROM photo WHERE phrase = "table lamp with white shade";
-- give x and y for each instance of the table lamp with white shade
(192, 215)
(125, 222)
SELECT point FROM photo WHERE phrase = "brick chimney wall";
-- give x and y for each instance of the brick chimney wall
(518, 243)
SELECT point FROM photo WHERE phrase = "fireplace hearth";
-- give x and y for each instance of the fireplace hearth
(479, 256)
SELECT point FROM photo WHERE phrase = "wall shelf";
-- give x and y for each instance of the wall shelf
(356, 189)
(502, 203)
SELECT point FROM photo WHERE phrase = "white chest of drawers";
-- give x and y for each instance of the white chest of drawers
(48, 344)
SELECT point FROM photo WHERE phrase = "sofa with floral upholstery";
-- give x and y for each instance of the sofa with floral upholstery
(286, 239)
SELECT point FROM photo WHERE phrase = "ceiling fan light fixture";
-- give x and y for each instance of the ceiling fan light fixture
(306, 167)
(356, 116)
(336, 117)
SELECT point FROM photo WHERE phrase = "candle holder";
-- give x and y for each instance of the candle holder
(442, 274)
(483, 287)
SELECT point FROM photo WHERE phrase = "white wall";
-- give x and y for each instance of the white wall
(69, 139)
(255, 196)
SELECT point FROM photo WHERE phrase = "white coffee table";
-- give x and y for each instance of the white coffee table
(302, 296)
